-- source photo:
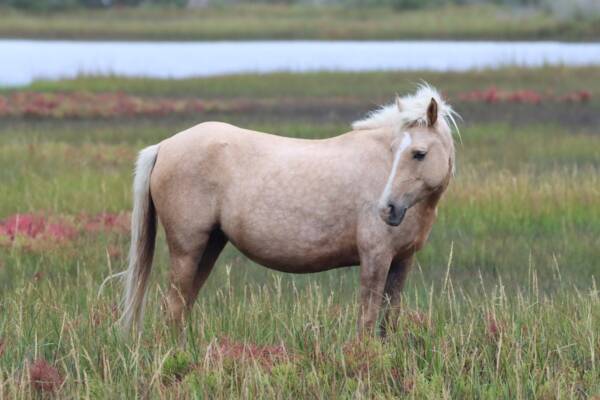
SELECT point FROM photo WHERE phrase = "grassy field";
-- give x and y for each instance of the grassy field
(502, 302)
(368, 86)
(244, 22)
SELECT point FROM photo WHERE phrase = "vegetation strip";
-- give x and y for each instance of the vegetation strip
(375, 87)
(277, 21)
(32, 229)
(112, 105)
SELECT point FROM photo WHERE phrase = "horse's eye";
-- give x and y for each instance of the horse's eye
(419, 155)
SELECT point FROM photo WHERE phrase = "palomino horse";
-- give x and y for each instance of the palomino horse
(368, 196)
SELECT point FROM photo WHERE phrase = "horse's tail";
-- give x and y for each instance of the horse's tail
(143, 236)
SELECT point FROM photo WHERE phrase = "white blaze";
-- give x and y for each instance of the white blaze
(406, 141)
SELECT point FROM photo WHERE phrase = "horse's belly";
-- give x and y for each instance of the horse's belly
(299, 248)
(289, 210)
(299, 263)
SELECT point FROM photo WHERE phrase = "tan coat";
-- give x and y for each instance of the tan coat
(366, 197)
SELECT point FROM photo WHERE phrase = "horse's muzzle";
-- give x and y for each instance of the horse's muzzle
(393, 215)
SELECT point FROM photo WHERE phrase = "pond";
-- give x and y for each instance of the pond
(22, 61)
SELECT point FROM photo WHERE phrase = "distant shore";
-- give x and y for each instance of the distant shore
(245, 22)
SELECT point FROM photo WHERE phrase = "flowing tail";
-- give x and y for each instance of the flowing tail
(143, 236)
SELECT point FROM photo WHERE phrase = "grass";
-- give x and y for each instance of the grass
(296, 22)
(372, 86)
(502, 302)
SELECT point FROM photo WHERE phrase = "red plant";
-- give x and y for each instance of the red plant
(2, 346)
(99, 105)
(266, 356)
(585, 96)
(38, 276)
(3, 106)
(33, 228)
(107, 222)
(408, 384)
(494, 328)
(494, 95)
(582, 96)
(524, 96)
(61, 231)
(44, 377)
(491, 95)
(25, 224)
(119, 104)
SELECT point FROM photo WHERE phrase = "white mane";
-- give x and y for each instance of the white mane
(408, 110)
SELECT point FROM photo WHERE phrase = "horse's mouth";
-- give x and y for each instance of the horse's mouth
(395, 215)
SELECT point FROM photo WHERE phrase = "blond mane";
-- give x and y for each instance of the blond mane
(408, 110)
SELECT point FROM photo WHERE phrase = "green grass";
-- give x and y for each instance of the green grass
(369, 86)
(296, 22)
(502, 302)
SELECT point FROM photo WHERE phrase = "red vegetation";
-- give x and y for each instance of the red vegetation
(106, 222)
(59, 229)
(494, 95)
(408, 384)
(582, 96)
(33, 226)
(265, 356)
(44, 377)
(2, 346)
(118, 104)
(99, 105)
(359, 356)
(494, 328)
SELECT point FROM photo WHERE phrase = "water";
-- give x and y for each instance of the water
(22, 61)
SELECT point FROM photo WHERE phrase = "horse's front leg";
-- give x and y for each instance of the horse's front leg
(374, 268)
(393, 292)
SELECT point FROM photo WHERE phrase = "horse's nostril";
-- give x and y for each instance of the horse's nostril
(391, 209)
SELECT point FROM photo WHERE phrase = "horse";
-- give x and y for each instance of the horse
(366, 197)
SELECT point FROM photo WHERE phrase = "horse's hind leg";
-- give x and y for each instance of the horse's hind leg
(215, 245)
(190, 266)
(184, 267)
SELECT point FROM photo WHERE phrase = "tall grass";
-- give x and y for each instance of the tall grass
(502, 302)
(493, 342)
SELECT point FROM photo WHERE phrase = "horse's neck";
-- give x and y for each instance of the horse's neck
(428, 210)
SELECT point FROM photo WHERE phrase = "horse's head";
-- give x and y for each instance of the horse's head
(423, 157)
(422, 150)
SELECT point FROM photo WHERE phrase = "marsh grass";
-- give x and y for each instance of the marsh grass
(502, 302)
(254, 21)
(493, 342)
(369, 86)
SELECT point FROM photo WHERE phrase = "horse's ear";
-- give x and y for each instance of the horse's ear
(432, 112)
(398, 103)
